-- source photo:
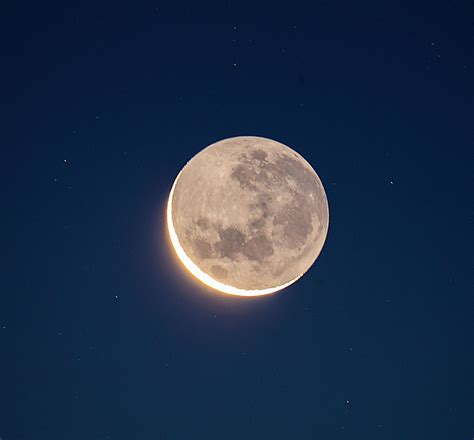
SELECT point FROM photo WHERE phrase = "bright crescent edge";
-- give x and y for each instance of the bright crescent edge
(198, 273)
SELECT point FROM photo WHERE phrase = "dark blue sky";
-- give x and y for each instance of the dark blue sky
(102, 333)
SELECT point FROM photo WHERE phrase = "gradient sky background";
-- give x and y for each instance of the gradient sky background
(103, 335)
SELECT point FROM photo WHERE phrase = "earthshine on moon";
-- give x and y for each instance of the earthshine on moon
(247, 216)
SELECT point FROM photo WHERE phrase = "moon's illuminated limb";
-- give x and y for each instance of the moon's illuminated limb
(198, 273)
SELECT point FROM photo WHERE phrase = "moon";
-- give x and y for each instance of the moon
(247, 216)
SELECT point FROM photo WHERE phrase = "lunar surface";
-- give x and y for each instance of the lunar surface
(247, 216)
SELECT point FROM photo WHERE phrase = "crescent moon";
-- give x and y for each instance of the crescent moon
(250, 211)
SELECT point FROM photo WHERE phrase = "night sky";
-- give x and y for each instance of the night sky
(104, 335)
